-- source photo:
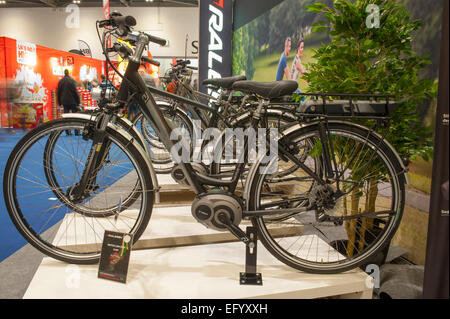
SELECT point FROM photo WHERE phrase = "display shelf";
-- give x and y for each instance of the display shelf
(195, 263)
(197, 272)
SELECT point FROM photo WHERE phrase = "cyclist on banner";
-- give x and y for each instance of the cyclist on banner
(282, 65)
(297, 68)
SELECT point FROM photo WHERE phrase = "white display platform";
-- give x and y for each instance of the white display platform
(192, 272)
(198, 272)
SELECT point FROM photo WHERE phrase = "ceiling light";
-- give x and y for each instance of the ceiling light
(2, 2)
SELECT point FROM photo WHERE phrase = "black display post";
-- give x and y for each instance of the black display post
(436, 278)
(250, 276)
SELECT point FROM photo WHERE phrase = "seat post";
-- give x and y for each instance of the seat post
(263, 104)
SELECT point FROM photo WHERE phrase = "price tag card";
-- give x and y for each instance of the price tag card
(115, 256)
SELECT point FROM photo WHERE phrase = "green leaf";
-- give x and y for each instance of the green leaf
(362, 60)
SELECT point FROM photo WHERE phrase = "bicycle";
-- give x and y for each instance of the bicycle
(361, 172)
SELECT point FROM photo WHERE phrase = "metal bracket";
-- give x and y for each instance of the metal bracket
(250, 276)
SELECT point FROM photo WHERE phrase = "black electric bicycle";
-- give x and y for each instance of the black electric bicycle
(324, 219)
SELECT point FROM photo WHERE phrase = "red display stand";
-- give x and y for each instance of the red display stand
(36, 71)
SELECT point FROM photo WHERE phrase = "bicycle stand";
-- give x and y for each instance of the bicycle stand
(250, 276)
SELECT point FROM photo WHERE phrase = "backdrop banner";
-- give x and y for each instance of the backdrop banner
(436, 276)
(245, 10)
(216, 22)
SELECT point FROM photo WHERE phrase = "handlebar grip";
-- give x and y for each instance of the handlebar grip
(160, 41)
(151, 61)
(183, 63)
(118, 21)
(192, 67)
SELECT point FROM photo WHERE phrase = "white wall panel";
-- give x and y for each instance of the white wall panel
(48, 27)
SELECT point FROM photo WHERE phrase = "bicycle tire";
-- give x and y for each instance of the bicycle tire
(43, 236)
(383, 233)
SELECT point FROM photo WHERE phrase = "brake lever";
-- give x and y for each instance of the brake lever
(123, 50)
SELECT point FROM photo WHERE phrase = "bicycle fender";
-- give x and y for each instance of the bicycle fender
(129, 125)
(399, 160)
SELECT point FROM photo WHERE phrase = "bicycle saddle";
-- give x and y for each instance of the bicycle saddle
(269, 90)
(224, 83)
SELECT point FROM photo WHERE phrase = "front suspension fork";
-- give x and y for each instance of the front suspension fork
(94, 161)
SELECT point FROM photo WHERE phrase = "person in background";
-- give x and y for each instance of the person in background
(106, 85)
(196, 84)
(133, 109)
(94, 83)
(87, 85)
(67, 96)
(283, 69)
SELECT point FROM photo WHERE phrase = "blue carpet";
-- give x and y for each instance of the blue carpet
(35, 201)
(10, 238)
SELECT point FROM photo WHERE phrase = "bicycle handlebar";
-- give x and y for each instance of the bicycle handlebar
(182, 63)
(128, 21)
(157, 40)
(118, 20)
(151, 61)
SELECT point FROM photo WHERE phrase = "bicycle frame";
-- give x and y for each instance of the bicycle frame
(152, 114)
(195, 179)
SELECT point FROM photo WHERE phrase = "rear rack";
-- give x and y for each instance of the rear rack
(344, 105)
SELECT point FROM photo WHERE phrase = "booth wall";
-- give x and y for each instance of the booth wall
(38, 75)
(48, 27)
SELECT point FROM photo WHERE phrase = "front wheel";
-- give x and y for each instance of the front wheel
(72, 231)
(335, 234)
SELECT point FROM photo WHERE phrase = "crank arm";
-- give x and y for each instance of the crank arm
(236, 231)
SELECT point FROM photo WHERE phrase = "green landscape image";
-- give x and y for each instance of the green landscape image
(258, 45)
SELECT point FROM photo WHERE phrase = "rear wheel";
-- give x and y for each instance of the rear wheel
(334, 235)
(273, 119)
